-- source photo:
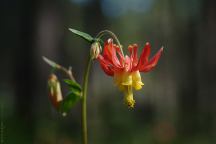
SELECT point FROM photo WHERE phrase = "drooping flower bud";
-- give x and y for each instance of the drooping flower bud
(95, 50)
(55, 94)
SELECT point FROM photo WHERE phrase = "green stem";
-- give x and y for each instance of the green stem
(104, 32)
(84, 105)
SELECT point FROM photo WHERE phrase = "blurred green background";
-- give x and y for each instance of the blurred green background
(176, 105)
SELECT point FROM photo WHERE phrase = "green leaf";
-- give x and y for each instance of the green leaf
(83, 35)
(69, 101)
(50, 62)
(74, 95)
(73, 85)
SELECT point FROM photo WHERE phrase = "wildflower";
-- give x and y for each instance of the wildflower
(126, 69)
(55, 93)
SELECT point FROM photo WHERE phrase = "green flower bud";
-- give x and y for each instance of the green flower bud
(95, 50)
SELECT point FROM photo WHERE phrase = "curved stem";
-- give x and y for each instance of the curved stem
(54, 65)
(104, 32)
(84, 99)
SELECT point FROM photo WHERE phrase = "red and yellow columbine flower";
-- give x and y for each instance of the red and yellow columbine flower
(126, 69)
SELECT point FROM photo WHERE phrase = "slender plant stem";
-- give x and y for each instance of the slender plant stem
(104, 32)
(54, 65)
(84, 105)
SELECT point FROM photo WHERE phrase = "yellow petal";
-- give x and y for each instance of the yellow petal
(138, 85)
(137, 81)
(118, 81)
(122, 79)
(127, 79)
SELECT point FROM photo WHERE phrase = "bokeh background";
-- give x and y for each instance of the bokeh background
(176, 105)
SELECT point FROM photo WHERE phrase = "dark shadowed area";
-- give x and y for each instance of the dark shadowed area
(176, 105)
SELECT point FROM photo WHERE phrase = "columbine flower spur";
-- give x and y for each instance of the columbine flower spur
(126, 69)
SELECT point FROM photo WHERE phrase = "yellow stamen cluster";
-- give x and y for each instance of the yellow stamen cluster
(126, 81)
